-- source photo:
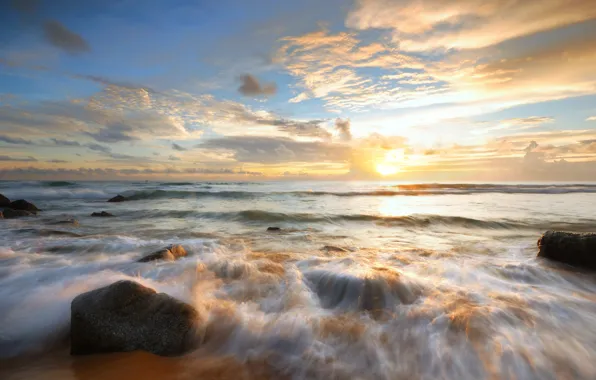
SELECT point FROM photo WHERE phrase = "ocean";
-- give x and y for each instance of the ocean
(365, 280)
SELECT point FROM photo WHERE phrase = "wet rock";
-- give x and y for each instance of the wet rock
(4, 202)
(22, 204)
(570, 248)
(102, 214)
(273, 229)
(170, 253)
(11, 213)
(117, 198)
(66, 222)
(127, 316)
(332, 248)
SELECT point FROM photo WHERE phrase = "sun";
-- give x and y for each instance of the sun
(391, 162)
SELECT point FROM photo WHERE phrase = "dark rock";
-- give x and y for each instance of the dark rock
(170, 253)
(117, 198)
(71, 222)
(11, 214)
(1, 215)
(4, 202)
(273, 229)
(101, 214)
(332, 248)
(570, 248)
(22, 204)
(127, 316)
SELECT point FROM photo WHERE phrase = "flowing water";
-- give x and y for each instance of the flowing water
(366, 280)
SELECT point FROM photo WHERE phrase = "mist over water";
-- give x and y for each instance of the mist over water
(365, 281)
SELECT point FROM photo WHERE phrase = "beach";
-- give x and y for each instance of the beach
(308, 280)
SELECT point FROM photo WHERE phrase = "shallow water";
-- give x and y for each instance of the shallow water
(431, 281)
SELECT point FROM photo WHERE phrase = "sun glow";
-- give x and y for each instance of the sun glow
(391, 162)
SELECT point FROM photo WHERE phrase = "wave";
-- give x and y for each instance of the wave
(179, 194)
(59, 184)
(407, 221)
(466, 188)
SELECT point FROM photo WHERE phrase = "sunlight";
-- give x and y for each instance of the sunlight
(390, 164)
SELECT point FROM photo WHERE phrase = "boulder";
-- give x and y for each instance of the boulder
(117, 198)
(170, 253)
(101, 214)
(273, 229)
(127, 316)
(570, 248)
(21, 204)
(11, 213)
(4, 202)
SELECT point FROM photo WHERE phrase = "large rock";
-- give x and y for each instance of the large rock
(127, 316)
(4, 202)
(21, 204)
(570, 248)
(170, 253)
(11, 214)
(117, 198)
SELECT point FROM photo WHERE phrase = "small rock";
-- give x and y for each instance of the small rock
(101, 214)
(570, 248)
(332, 248)
(4, 202)
(127, 316)
(273, 229)
(72, 222)
(117, 198)
(11, 214)
(170, 253)
(22, 204)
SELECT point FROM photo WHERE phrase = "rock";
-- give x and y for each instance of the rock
(22, 204)
(11, 214)
(101, 214)
(4, 202)
(332, 248)
(570, 248)
(117, 198)
(170, 253)
(127, 316)
(273, 229)
(1, 215)
(71, 222)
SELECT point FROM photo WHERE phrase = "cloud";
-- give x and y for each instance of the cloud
(57, 161)
(18, 159)
(519, 123)
(99, 148)
(114, 133)
(178, 147)
(174, 158)
(61, 37)
(421, 25)
(251, 87)
(275, 150)
(343, 128)
(25, 6)
(333, 67)
(591, 118)
(59, 142)
(15, 140)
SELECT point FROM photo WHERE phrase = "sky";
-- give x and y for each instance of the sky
(414, 90)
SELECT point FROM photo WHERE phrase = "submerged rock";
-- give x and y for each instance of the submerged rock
(22, 204)
(11, 213)
(117, 198)
(101, 214)
(66, 222)
(332, 248)
(4, 202)
(170, 253)
(273, 229)
(570, 248)
(374, 289)
(127, 316)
